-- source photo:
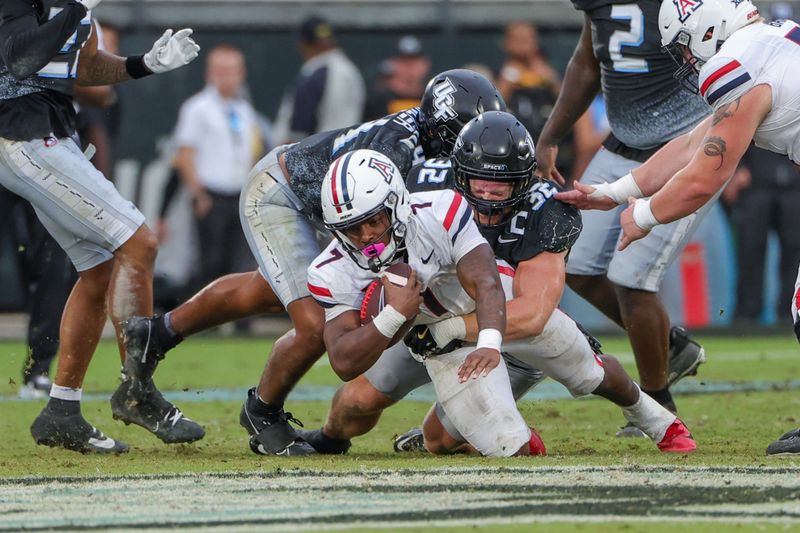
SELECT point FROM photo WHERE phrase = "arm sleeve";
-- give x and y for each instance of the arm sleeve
(25, 46)
(306, 102)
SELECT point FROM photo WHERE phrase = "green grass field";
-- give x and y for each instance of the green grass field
(732, 430)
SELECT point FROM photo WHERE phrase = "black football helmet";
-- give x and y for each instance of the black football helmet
(452, 99)
(494, 146)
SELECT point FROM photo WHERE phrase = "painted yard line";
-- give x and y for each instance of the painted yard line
(403, 498)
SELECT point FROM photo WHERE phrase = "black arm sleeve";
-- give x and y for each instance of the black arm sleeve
(25, 46)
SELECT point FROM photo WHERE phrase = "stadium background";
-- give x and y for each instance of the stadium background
(699, 289)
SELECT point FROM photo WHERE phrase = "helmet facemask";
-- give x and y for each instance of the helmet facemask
(688, 65)
(502, 209)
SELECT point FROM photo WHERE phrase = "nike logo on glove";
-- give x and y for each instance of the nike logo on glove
(501, 240)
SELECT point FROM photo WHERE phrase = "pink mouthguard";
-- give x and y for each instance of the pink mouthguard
(373, 250)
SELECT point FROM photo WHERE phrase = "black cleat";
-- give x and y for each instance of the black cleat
(272, 434)
(410, 441)
(146, 343)
(787, 444)
(135, 402)
(685, 355)
(72, 432)
(325, 444)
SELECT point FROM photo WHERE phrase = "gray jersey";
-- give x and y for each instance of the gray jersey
(646, 106)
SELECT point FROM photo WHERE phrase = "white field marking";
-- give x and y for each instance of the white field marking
(453, 497)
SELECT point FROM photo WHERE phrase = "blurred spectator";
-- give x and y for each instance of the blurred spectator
(401, 82)
(764, 195)
(218, 140)
(590, 131)
(329, 91)
(530, 85)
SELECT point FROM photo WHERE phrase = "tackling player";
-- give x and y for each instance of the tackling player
(619, 53)
(530, 232)
(748, 73)
(282, 220)
(46, 48)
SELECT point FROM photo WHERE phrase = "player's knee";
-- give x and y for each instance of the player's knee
(142, 247)
(359, 397)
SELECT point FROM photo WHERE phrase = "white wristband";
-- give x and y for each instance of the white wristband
(389, 321)
(490, 338)
(643, 215)
(619, 191)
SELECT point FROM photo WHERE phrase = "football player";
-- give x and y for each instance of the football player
(46, 48)
(281, 217)
(619, 53)
(530, 233)
(747, 71)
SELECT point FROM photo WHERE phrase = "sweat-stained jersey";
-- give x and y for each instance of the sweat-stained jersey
(396, 136)
(646, 106)
(759, 54)
(441, 232)
(542, 223)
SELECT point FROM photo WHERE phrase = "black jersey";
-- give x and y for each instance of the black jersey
(396, 136)
(40, 42)
(541, 224)
(646, 105)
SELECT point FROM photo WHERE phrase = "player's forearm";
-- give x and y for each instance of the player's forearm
(580, 86)
(102, 68)
(653, 174)
(353, 353)
(685, 193)
(27, 47)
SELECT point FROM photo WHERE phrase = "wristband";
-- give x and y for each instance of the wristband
(619, 191)
(490, 338)
(136, 67)
(643, 216)
(389, 321)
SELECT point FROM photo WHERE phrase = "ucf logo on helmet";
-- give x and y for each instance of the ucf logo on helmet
(686, 8)
(443, 101)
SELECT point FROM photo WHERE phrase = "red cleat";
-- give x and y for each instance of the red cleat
(536, 444)
(677, 439)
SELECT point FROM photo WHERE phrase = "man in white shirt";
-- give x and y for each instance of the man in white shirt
(218, 141)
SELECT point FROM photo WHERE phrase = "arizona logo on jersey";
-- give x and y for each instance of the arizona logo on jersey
(686, 8)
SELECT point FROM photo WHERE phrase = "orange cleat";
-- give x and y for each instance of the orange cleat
(536, 444)
(677, 439)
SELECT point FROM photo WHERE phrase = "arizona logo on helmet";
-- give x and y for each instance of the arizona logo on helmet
(443, 101)
(384, 168)
(686, 8)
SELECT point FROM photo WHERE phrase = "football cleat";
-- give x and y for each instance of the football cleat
(146, 343)
(142, 404)
(685, 355)
(630, 431)
(72, 432)
(272, 434)
(36, 388)
(325, 444)
(537, 444)
(787, 444)
(677, 439)
(410, 441)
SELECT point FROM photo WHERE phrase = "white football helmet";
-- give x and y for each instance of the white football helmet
(701, 26)
(358, 185)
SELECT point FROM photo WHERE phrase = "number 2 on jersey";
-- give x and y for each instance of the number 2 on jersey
(633, 38)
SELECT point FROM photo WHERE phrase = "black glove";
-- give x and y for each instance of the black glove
(421, 342)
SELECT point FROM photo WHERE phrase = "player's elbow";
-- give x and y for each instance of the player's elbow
(530, 325)
(701, 190)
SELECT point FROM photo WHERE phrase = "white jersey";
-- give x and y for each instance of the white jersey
(761, 54)
(441, 232)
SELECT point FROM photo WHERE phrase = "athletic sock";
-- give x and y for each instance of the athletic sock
(167, 336)
(325, 444)
(649, 416)
(64, 401)
(664, 397)
(260, 407)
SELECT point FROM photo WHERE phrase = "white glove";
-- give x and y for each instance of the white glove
(171, 51)
(89, 4)
(448, 330)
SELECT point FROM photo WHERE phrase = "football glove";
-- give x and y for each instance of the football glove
(171, 51)
(89, 4)
(436, 339)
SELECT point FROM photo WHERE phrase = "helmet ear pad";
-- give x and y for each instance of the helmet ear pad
(494, 147)
(451, 99)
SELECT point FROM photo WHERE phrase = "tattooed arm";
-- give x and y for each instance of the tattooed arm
(716, 158)
(98, 67)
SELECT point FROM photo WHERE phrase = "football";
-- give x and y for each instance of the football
(374, 299)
